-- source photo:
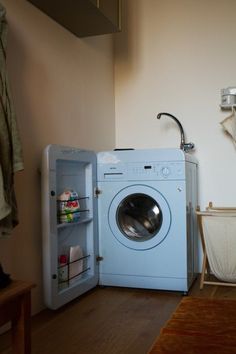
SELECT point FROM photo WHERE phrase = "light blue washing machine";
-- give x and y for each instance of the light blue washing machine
(146, 217)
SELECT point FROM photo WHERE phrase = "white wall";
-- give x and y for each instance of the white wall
(175, 56)
(63, 90)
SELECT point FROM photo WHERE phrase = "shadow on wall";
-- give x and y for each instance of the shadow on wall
(22, 91)
(127, 50)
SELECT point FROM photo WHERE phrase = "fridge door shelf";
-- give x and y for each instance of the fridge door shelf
(73, 211)
(64, 288)
(74, 199)
(82, 220)
(68, 169)
(70, 280)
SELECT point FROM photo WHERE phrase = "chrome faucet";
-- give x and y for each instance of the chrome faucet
(183, 145)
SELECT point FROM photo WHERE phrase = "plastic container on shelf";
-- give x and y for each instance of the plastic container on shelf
(68, 207)
(76, 264)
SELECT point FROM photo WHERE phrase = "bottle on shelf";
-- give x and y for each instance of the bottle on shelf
(63, 271)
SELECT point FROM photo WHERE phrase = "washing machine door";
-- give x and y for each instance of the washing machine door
(139, 217)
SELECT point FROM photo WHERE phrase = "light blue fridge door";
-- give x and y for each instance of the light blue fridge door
(69, 223)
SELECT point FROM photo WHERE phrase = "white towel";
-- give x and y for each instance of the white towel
(229, 125)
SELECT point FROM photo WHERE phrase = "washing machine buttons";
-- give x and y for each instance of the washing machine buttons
(165, 171)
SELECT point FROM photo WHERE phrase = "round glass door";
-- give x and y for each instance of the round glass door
(139, 217)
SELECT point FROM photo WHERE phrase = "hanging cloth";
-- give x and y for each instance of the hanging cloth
(10, 146)
(229, 125)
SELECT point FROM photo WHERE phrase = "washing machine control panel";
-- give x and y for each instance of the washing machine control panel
(142, 171)
(157, 170)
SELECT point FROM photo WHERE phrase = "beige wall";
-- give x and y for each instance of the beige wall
(63, 89)
(175, 56)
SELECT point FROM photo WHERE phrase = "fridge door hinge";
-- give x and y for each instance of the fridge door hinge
(99, 258)
(97, 192)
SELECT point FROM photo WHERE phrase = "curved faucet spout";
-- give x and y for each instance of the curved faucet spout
(183, 145)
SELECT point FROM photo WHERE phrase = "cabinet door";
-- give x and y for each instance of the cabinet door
(69, 223)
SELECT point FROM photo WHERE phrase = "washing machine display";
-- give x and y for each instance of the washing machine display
(139, 220)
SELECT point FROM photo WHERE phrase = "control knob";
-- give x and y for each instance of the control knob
(165, 171)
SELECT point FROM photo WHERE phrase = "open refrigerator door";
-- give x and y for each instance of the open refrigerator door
(69, 223)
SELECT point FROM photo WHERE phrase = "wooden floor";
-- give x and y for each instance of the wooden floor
(109, 321)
